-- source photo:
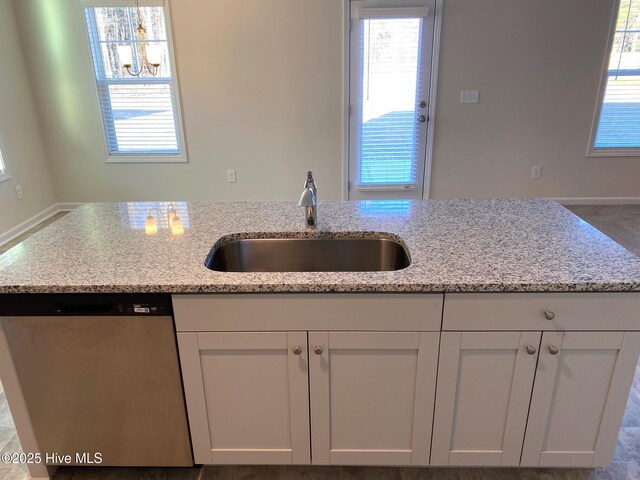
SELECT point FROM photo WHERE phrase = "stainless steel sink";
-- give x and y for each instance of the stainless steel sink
(308, 255)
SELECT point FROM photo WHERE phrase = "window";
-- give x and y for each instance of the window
(617, 125)
(140, 114)
(391, 46)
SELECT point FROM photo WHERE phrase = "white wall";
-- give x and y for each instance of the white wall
(23, 149)
(261, 85)
(537, 64)
(261, 93)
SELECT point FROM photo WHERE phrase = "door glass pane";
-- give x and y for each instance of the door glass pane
(389, 83)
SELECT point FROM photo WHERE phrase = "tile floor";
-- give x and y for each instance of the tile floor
(620, 222)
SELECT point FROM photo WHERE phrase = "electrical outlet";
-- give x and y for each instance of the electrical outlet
(536, 171)
(469, 96)
(19, 193)
(231, 176)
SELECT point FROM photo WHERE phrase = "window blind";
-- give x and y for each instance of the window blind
(389, 83)
(619, 121)
(139, 113)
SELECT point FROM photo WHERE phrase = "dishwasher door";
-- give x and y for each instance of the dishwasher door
(103, 384)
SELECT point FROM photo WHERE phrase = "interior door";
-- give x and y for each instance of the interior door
(391, 47)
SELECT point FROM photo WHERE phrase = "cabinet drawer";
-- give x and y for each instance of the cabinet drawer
(274, 312)
(526, 311)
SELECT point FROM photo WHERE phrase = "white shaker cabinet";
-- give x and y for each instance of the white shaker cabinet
(535, 380)
(300, 379)
(581, 390)
(372, 396)
(572, 384)
(484, 387)
(247, 396)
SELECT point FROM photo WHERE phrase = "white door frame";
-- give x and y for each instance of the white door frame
(346, 67)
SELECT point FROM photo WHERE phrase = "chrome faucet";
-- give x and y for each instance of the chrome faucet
(309, 200)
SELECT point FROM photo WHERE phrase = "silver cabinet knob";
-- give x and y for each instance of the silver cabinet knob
(297, 350)
(553, 350)
(318, 350)
(423, 104)
(531, 350)
(422, 119)
(549, 315)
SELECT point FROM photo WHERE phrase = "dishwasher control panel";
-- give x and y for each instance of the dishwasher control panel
(90, 304)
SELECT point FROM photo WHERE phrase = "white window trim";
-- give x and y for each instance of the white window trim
(592, 151)
(4, 175)
(141, 157)
(346, 82)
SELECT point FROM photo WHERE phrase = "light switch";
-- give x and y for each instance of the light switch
(536, 171)
(469, 96)
(231, 176)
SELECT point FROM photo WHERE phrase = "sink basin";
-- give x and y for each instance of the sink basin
(308, 255)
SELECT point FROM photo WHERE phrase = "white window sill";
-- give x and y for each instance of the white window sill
(146, 159)
(614, 152)
(4, 177)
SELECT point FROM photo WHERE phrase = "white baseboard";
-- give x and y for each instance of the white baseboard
(598, 200)
(67, 207)
(35, 220)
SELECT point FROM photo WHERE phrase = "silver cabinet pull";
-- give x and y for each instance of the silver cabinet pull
(318, 350)
(549, 315)
(297, 350)
(553, 350)
(423, 104)
(422, 119)
(531, 350)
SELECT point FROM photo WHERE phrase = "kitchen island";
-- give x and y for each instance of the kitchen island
(510, 340)
(455, 246)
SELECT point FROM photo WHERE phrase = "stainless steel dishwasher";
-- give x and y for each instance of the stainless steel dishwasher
(100, 374)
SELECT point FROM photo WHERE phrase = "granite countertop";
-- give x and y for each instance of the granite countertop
(455, 246)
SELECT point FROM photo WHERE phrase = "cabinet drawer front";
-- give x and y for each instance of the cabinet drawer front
(526, 311)
(278, 312)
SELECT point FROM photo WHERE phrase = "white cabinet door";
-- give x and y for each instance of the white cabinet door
(581, 390)
(247, 396)
(372, 396)
(484, 387)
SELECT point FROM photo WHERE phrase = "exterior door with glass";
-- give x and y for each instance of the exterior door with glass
(391, 49)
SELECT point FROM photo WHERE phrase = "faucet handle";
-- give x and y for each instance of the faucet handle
(310, 181)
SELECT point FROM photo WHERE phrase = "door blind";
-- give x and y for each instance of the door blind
(389, 87)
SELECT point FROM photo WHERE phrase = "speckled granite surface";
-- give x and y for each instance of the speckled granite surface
(455, 246)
